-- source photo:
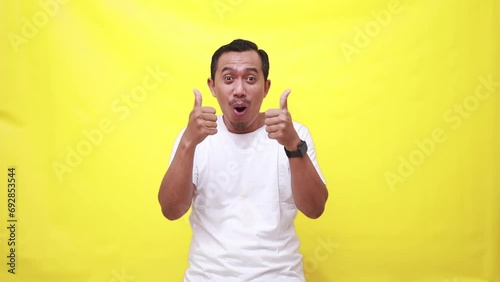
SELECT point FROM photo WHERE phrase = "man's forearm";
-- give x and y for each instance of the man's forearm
(309, 191)
(176, 189)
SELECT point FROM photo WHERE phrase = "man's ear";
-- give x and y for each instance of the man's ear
(267, 85)
(211, 85)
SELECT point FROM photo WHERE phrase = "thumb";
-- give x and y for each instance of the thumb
(197, 98)
(283, 99)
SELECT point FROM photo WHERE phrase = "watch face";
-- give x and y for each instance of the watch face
(303, 148)
(301, 151)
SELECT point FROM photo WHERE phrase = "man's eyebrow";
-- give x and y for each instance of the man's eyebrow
(252, 70)
(233, 69)
(227, 69)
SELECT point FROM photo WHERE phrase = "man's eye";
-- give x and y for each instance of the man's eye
(251, 78)
(228, 78)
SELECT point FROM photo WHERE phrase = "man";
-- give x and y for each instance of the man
(245, 173)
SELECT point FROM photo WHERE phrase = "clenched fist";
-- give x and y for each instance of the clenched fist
(202, 122)
(279, 124)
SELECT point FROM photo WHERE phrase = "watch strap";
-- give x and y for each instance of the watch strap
(300, 152)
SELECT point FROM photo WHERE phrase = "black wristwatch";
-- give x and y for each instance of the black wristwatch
(301, 151)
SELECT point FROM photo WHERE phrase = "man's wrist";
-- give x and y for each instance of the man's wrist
(299, 152)
(293, 145)
(186, 144)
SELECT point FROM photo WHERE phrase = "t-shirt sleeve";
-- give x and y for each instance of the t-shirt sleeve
(305, 135)
(172, 155)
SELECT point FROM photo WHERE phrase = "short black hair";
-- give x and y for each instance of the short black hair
(240, 45)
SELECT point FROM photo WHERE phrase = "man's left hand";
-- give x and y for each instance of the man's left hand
(279, 124)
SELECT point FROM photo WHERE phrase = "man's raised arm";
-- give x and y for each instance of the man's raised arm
(176, 189)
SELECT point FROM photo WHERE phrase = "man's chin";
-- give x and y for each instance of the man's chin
(238, 125)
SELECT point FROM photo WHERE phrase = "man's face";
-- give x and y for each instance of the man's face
(239, 87)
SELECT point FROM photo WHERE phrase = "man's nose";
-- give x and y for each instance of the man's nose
(239, 88)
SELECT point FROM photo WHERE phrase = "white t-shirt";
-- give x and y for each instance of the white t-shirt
(243, 209)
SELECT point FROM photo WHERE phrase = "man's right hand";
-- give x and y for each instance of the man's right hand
(202, 122)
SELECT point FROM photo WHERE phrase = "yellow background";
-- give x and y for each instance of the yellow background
(387, 88)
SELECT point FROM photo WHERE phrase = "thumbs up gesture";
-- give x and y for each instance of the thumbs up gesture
(202, 122)
(279, 124)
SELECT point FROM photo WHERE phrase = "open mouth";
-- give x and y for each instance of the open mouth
(240, 110)
(240, 106)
